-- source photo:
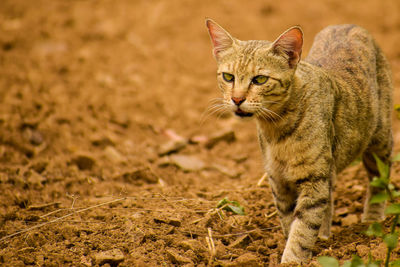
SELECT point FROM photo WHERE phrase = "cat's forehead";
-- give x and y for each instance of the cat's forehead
(249, 57)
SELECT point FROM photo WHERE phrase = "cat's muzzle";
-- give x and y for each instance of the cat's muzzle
(242, 113)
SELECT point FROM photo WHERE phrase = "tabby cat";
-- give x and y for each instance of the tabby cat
(314, 117)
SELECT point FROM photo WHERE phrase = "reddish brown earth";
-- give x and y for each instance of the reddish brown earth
(91, 92)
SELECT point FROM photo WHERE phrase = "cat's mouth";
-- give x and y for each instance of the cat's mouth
(242, 113)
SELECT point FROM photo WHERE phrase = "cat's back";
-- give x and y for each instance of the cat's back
(348, 51)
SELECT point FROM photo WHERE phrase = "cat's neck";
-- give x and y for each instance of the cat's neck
(287, 115)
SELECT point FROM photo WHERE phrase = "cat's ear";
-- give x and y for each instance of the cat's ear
(291, 43)
(220, 38)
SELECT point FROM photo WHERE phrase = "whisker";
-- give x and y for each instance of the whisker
(214, 109)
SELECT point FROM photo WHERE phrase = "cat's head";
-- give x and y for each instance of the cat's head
(255, 76)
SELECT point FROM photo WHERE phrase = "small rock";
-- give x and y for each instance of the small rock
(139, 176)
(112, 154)
(171, 146)
(198, 139)
(349, 220)
(232, 173)
(84, 162)
(227, 136)
(112, 257)
(342, 211)
(186, 163)
(102, 141)
(176, 258)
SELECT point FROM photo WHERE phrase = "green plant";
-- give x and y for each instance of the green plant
(233, 206)
(387, 193)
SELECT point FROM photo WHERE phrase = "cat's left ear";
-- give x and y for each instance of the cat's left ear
(291, 43)
(220, 38)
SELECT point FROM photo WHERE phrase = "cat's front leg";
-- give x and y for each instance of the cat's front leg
(285, 202)
(312, 203)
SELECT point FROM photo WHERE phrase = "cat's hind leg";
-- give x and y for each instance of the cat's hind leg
(325, 230)
(383, 149)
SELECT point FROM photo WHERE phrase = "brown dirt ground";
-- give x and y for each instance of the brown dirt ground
(90, 92)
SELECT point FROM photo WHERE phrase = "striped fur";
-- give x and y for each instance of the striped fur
(314, 117)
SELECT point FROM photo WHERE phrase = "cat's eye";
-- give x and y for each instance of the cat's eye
(228, 77)
(259, 80)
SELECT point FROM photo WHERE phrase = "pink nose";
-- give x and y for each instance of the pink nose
(238, 100)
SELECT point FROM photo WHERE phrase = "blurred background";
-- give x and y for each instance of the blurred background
(102, 99)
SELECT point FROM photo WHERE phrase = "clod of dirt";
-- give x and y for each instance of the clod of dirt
(362, 250)
(241, 242)
(112, 257)
(139, 176)
(246, 260)
(171, 221)
(84, 162)
(171, 146)
(227, 136)
(349, 220)
(192, 244)
(33, 136)
(186, 163)
(35, 180)
(102, 141)
(174, 256)
(40, 166)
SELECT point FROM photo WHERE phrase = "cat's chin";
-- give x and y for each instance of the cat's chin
(242, 114)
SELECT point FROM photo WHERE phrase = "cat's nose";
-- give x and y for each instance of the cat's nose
(238, 100)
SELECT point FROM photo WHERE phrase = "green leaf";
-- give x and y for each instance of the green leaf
(382, 167)
(379, 182)
(357, 262)
(395, 263)
(375, 229)
(238, 210)
(393, 209)
(391, 240)
(347, 264)
(379, 198)
(327, 261)
(222, 202)
(396, 158)
(233, 206)
(395, 194)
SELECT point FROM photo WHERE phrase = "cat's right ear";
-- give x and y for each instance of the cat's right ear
(290, 43)
(220, 38)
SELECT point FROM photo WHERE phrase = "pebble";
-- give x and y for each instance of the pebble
(349, 220)
(172, 146)
(232, 173)
(113, 154)
(186, 163)
(84, 162)
(227, 136)
(112, 257)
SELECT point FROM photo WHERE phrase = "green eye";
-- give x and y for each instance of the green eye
(260, 79)
(228, 77)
